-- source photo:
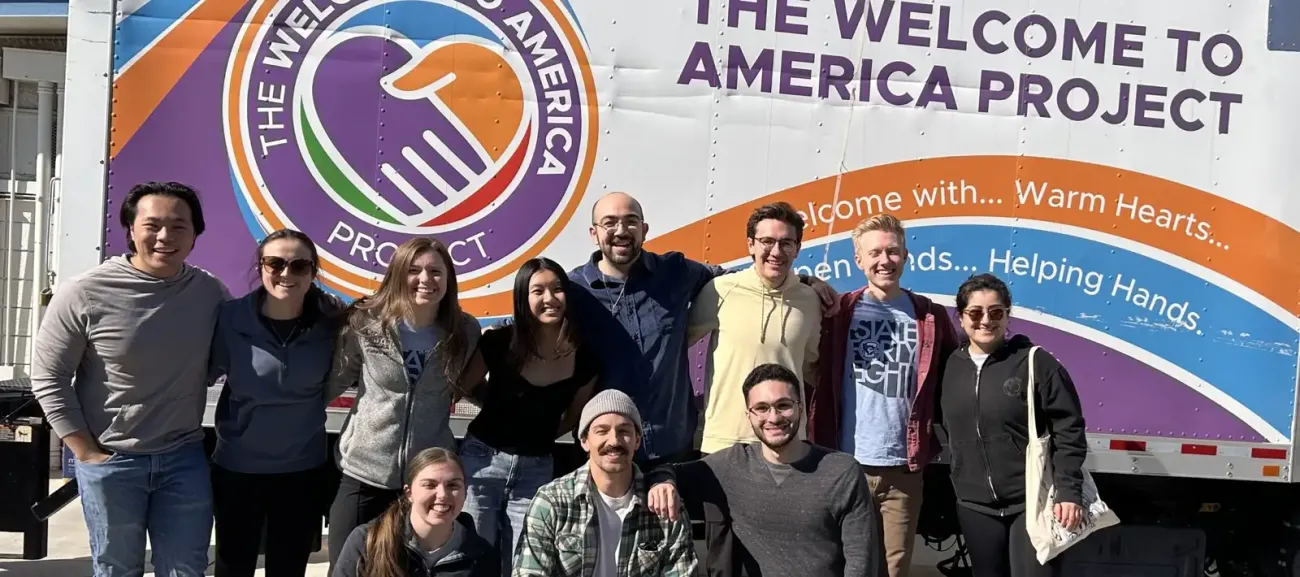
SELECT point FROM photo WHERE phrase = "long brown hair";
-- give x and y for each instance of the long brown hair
(385, 554)
(393, 302)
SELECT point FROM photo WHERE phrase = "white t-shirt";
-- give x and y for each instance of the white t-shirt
(610, 513)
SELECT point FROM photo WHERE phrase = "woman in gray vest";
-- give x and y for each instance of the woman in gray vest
(404, 348)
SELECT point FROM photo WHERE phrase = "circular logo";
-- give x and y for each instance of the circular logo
(366, 123)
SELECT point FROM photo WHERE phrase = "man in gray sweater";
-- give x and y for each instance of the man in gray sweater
(121, 373)
(796, 508)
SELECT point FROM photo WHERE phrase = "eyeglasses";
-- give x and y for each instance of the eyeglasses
(787, 245)
(297, 266)
(610, 224)
(785, 407)
(995, 314)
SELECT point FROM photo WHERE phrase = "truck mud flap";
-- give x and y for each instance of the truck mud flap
(1137, 551)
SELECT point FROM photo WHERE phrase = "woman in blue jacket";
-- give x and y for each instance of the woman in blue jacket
(275, 347)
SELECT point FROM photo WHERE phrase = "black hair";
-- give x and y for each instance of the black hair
(523, 342)
(982, 282)
(131, 204)
(770, 372)
(781, 211)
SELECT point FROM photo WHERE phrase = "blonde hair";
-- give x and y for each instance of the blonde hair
(393, 302)
(883, 223)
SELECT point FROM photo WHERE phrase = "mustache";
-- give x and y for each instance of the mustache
(613, 450)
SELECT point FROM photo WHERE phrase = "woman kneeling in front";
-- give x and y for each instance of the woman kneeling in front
(423, 533)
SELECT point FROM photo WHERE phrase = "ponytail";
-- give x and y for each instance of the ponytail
(386, 554)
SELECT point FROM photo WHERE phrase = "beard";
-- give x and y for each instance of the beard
(788, 428)
(624, 256)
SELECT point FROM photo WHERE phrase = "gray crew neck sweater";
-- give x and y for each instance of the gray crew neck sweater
(124, 356)
(818, 520)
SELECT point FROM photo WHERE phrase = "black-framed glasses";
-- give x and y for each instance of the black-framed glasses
(783, 407)
(995, 314)
(295, 267)
(787, 245)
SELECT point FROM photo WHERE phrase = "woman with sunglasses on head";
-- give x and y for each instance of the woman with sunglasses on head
(404, 348)
(541, 376)
(274, 346)
(983, 422)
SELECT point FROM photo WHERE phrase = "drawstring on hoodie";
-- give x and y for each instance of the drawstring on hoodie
(766, 316)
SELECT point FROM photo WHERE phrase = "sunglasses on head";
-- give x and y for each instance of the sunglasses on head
(995, 314)
(296, 267)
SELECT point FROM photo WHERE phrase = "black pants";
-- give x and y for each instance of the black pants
(284, 507)
(999, 546)
(356, 504)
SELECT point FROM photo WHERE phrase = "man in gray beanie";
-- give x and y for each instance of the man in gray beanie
(609, 492)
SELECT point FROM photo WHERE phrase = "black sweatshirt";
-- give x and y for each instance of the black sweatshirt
(985, 425)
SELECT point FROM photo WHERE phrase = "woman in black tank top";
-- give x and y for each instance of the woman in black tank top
(539, 378)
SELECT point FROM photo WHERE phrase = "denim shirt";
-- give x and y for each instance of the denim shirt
(270, 417)
(639, 333)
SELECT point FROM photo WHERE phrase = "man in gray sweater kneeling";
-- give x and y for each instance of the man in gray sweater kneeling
(797, 508)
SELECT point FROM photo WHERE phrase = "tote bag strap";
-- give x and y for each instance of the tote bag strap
(1029, 394)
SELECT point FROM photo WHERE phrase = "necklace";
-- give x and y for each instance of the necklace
(613, 308)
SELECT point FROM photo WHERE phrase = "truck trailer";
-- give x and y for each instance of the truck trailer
(1128, 168)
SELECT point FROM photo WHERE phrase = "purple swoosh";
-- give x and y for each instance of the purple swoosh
(1120, 395)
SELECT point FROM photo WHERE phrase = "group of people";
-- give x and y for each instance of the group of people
(820, 411)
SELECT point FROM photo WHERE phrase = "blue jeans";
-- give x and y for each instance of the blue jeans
(500, 487)
(167, 495)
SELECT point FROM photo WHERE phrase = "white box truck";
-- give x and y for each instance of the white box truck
(1131, 168)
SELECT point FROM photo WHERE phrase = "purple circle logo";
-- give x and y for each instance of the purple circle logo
(365, 123)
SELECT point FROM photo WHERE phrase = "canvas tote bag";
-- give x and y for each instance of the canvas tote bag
(1045, 532)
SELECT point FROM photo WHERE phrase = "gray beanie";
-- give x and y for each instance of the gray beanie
(608, 401)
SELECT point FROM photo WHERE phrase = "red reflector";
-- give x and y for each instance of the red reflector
(1208, 450)
(1120, 445)
(344, 402)
(1262, 453)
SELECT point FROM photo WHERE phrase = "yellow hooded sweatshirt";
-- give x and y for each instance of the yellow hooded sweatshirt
(752, 324)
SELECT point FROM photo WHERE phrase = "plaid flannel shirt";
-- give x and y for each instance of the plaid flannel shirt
(561, 539)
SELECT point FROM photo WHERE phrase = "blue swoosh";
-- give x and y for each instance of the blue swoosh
(1257, 370)
(140, 28)
(422, 22)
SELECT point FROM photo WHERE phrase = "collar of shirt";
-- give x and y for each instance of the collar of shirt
(596, 279)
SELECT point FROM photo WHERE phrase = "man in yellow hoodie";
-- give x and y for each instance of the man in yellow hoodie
(757, 316)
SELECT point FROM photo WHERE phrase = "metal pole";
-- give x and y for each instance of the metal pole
(44, 160)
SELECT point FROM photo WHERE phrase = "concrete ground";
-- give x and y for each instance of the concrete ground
(69, 553)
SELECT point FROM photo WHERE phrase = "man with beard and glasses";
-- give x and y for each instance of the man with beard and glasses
(797, 508)
(633, 311)
(594, 521)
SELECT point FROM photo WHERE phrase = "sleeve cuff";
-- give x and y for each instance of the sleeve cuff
(65, 425)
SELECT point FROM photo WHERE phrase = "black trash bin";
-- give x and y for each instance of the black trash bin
(24, 466)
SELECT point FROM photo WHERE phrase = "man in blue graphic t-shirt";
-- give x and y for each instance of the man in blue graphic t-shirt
(883, 352)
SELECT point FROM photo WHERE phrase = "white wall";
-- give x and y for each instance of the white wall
(16, 271)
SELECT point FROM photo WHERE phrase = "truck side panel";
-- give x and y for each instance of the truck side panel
(1125, 167)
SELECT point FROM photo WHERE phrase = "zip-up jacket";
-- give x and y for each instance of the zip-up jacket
(271, 414)
(474, 558)
(936, 340)
(392, 418)
(984, 422)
